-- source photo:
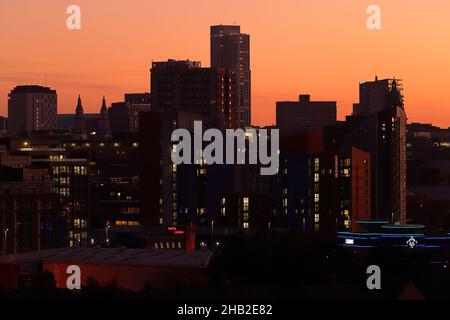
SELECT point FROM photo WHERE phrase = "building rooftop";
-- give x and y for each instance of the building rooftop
(172, 63)
(136, 257)
(32, 89)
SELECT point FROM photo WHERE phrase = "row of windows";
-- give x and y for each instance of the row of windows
(127, 223)
(168, 245)
(76, 170)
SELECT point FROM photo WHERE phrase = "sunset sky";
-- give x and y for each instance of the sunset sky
(297, 46)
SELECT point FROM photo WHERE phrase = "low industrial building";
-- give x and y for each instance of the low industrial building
(126, 269)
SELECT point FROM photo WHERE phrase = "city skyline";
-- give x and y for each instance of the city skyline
(336, 50)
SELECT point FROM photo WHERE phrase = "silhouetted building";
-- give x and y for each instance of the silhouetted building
(124, 117)
(305, 115)
(138, 98)
(183, 92)
(183, 86)
(150, 168)
(113, 180)
(3, 125)
(29, 215)
(69, 175)
(31, 108)
(65, 122)
(428, 175)
(378, 126)
(298, 182)
(226, 195)
(230, 49)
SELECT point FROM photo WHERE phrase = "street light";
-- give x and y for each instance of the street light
(212, 234)
(107, 236)
(6, 241)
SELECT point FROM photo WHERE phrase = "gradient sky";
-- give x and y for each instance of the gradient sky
(298, 46)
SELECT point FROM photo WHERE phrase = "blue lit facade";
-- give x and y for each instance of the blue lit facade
(381, 234)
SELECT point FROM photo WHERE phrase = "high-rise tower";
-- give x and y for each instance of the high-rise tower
(380, 128)
(230, 49)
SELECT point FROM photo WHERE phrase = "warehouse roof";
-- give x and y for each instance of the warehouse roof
(138, 257)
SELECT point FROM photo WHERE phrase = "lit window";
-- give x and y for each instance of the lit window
(316, 165)
(346, 173)
(316, 197)
(316, 177)
(246, 204)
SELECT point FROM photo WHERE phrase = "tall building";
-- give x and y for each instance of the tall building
(298, 181)
(31, 108)
(305, 115)
(378, 126)
(150, 188)
(183, 91)
(184, 86)
(384, 100)
(230, 49)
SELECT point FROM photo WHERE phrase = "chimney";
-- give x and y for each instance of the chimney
(304, 98)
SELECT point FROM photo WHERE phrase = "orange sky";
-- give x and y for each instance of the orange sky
(298, 46)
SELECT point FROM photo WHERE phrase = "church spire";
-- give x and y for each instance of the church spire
(103, 109)
(79, 110)
(104, 130)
